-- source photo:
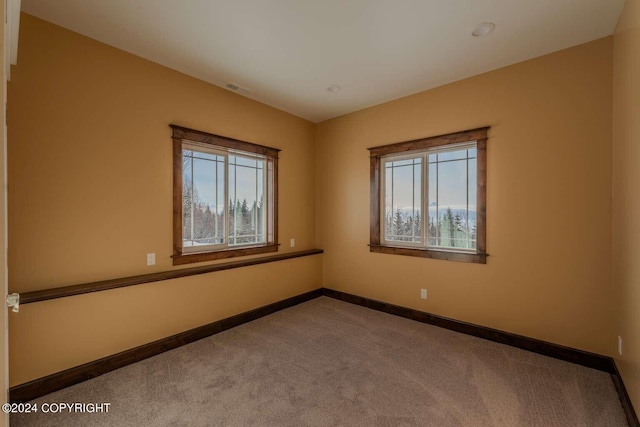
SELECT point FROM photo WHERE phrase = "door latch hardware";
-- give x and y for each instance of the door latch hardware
(13, 300)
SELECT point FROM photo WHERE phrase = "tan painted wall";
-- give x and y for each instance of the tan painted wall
(90, 195)
(626, 195)
(91, 192)
(548, 205)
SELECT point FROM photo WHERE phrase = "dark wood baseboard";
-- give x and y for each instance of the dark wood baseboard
(568, 354)
(60, 380)
(629, 412)
(584, 358)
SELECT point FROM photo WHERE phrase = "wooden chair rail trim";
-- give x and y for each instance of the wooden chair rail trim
(67, 291)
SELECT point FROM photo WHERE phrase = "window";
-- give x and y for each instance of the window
(225, 197)
(428, 197)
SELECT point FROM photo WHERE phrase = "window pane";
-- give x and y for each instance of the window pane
(452, 200)
(452, 155)
(187, 196)
(221, 204)
(473, 179)
(403, 200)
(433, 225)
(247, 219)
(203, 210)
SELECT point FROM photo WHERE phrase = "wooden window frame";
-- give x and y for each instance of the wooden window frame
(420, 145)
(182, 134)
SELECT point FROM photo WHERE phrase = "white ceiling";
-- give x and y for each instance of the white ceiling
(287, 52)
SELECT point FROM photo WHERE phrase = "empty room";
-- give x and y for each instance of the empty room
(321, 213)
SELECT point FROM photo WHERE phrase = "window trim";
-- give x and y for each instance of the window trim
(182, 134)
(377, 153)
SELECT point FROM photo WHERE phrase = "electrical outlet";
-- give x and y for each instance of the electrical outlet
(293, 243)
(151, 259)
(619, 345)
(423, 293)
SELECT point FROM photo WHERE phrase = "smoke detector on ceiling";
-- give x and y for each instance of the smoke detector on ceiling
(483, 29)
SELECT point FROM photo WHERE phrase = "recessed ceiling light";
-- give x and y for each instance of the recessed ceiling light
(483, 29)
(334, 88)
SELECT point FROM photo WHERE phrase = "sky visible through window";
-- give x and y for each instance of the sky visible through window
(223, 199)
(451, 196)
(209, 180)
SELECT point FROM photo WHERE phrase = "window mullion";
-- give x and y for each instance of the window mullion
(466, 161)
(215, 214)
(254, 219)
(393, 192)
(413, 197)
(235, 207)
(438, 241)
(382, 202)
(227, 209)
(425, 200)
(266, 215)
(193, 203)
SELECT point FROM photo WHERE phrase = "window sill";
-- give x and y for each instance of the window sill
(477, 258)
(189, 258)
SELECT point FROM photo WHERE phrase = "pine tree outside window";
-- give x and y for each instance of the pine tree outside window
(225, 202)
(428, 197)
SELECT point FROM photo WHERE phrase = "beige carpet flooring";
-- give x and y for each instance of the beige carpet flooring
(330, 363)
